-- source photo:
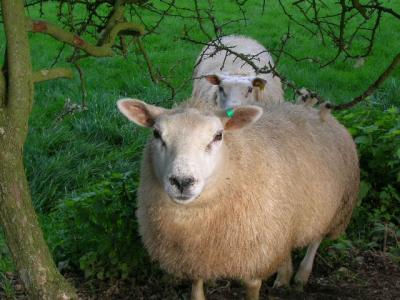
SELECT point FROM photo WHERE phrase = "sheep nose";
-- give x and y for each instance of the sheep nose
(181, 183)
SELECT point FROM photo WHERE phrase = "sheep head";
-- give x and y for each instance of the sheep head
(187, 145)
(235, 90)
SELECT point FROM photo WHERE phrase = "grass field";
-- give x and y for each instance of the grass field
(66, 155)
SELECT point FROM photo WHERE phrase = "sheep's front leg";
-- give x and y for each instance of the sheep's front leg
(285, 273)
(306, 265)
(253, 289)
(198, 290)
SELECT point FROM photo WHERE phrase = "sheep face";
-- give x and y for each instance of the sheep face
(187, 146)
(186, 150)
(236, 90)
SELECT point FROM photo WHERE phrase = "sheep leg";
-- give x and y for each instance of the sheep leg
(198, 290)
(306, 265)
(253, 289)
(285, 273)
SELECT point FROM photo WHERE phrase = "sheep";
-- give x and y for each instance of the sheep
(231, 193)
(228, 81)
(306, 97)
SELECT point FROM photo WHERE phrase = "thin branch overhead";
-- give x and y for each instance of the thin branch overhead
(103, 27)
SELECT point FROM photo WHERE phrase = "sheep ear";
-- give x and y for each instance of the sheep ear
(139, 112)
(259, 82)
(241, 116)
(213, 79)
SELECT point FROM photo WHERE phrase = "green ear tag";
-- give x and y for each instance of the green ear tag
(230, 112)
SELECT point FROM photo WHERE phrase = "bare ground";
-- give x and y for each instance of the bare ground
(367, 275)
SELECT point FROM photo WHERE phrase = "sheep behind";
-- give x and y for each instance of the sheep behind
(229, 81)
(283, 182)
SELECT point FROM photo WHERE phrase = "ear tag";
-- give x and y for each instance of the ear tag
(261, 86)
(230, 112)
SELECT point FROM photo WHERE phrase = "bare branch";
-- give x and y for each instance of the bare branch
(341, 24)
(116, 16)
(123, 45)
(361, 9)
(60, 51)
(174, 90)
(44, 75)
(384, 9)
(83, 84)
(150, 68)
(164, 13)
(374, 30)
(125, 28)
(373, 87)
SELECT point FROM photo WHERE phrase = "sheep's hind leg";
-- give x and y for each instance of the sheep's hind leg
(253, 289)
(306, 265)
(198, 290)
(284, 275)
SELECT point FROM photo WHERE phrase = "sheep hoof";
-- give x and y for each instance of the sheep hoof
(298, 286)
(284, 274)
(278, 284)
(253, 289)
(301, 279)
(198, 290)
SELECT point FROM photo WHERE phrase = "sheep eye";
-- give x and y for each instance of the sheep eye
(250, 89)
(156, 134)
(217, 136)
(221, 89)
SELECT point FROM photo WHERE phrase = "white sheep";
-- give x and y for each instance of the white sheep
(306, 97)
(232, 196)
(228, 81)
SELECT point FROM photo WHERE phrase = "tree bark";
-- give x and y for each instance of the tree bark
(29, 251)
(50, 74)
(2, 89)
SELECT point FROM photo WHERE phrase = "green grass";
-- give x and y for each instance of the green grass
(64, 157)
(7, 287)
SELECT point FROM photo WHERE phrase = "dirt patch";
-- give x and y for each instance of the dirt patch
(367, 275)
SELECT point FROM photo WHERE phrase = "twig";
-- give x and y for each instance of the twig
(58, 55)
(361, 9)
(83, 84)
(263, 8)
(341, 33)
(150, 68)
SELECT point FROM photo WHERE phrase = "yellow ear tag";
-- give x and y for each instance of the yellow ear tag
(259, 84)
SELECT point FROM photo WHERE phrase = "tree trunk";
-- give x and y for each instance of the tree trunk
(30, 253)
